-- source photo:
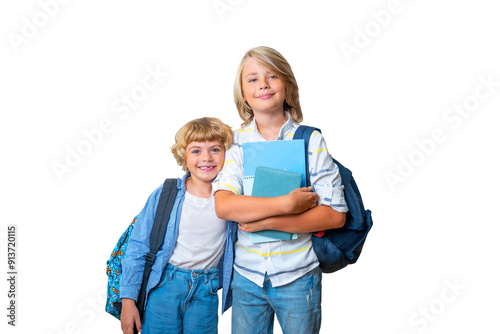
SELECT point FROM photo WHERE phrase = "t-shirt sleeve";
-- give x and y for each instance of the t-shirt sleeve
(231, 176)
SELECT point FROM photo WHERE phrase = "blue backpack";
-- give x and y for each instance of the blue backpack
(339, 247)
(114, 264)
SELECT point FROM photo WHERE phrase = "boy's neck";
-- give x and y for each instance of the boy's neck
(199, 188)
(269, 125)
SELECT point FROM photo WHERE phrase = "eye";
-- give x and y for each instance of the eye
(252, 80)
(216, 149)
(273, 76)
(195, 151)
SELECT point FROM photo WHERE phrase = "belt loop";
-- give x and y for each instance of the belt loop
(172, 271)
(206, 273)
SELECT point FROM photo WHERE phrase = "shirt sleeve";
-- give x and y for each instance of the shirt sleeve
(138, 246)
(231, 176)
(324, 174)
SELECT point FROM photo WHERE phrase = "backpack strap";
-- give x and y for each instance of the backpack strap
(305, 132)
(165, 205)
(162, 216)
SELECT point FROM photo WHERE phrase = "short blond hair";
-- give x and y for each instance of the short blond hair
(272, 59)
(200, 130)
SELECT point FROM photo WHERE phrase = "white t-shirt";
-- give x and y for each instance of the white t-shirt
(202, 236)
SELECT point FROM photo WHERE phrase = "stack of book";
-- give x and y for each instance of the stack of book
(271, 169)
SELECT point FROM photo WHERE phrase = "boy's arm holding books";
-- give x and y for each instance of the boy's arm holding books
(231, 205)
(331, 210)
(246, 209)
(296, 212)
(319, 218)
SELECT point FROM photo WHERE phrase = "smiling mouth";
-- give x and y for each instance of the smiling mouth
(207, 168)
(265, 96)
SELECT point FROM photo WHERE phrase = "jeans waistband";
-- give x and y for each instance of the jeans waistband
(206, 274)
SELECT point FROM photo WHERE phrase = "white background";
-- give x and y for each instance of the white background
(429, 264)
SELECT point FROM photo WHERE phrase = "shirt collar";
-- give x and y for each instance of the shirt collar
(286, 128)
(181, 183)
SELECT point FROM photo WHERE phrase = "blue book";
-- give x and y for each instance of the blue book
(286, 155)
(271, 182)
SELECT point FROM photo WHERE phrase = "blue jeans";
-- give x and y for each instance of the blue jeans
(184, 301)
(297, 305)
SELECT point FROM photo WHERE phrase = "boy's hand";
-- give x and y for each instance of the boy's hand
(301, 199)
(130, 317)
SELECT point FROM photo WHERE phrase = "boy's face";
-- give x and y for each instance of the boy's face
(205, 160)
(263, 89)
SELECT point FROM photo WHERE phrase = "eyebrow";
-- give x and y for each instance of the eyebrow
(216, 145)
(255, 73)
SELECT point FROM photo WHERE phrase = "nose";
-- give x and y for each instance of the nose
(264, 83)
(206, 156)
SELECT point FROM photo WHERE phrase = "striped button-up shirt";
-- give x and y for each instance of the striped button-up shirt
(283, 261)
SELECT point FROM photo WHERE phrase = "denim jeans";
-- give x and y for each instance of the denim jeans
(297, 305)
(184, 301)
